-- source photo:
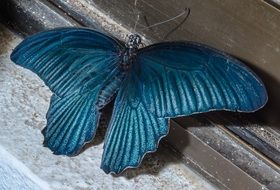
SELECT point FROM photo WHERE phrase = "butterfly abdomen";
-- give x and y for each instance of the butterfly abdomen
(109, 89)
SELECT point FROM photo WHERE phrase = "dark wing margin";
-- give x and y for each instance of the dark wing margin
(72, 62)
(133, 130)
(183, 78)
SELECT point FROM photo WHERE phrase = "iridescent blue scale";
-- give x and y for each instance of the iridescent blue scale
(85, 69)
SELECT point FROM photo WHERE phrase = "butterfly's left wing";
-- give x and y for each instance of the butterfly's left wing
(75, 63)
(170, 80)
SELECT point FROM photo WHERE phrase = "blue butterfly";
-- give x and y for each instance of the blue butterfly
(85, 69)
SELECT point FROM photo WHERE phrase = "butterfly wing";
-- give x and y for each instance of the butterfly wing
(73, 63)
(180, 78)
(169, 80)
(133, 130)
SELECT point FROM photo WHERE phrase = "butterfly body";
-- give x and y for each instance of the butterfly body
(85, 69)
(129, 53)
(111, 86)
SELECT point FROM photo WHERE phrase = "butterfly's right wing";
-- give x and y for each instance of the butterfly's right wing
(133, 130)
(172, 79)
(73, 63)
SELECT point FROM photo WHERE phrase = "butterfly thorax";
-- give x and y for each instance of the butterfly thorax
(134, 41)
(112, 84)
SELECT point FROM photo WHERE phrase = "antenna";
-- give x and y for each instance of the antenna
(135, 25)
(135, 11)
(186, 11)
(180, 24)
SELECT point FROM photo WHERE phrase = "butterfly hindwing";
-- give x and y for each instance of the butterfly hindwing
(71, 122)
(133, 130)
(180, 78)
(73, 63)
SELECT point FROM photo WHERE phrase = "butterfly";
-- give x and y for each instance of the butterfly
(86, 69)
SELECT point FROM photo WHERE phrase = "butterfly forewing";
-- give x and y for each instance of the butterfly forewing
(67, 59)
(180, 78)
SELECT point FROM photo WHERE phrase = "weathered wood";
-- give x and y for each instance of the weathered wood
(215, 135)
(28, 17)
(216, 161)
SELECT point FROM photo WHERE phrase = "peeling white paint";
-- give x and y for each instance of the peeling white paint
(14, 175)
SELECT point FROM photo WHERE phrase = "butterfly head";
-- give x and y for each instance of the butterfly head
(134, 40)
